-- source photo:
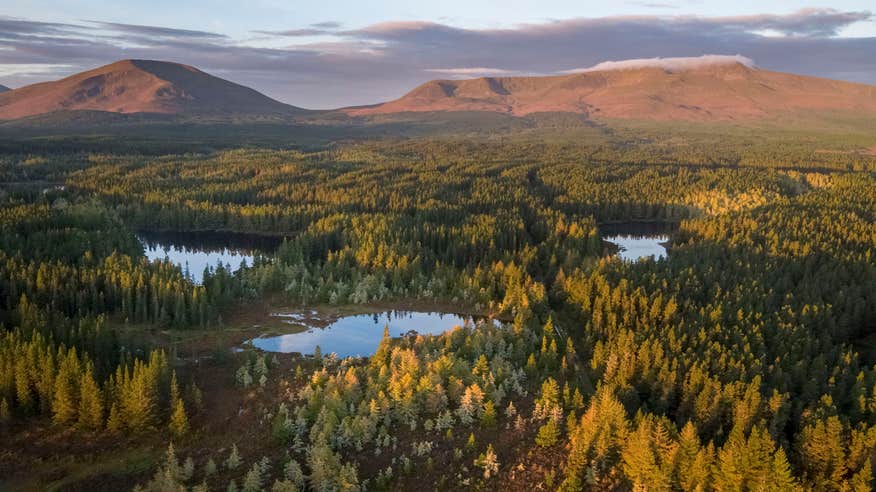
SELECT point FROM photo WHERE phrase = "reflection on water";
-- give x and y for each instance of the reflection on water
(637, 240)
(358, 335)
(194, 251)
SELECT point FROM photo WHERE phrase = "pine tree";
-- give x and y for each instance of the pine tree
(548, 434)
(90, 402)
(188, 469)
(510, 410)
(179, 421)
(233, 460)
(470, 444)
(210, 468)
(24, 394)
(488, 461)
(688, 448)
(549, 398)
(292, 471)
(64, 402)
(783, 479)
(114, 422)
(488, 419)
(348, 478)
(284, 486)
(641, 458)
(260, 368)
(196, 397)
(174, 390)
(139, 394)
(597, 440)
(243, 377)
(730, 468)
(821, 449)
(252, 481)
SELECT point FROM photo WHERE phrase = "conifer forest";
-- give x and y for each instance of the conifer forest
(741, 360)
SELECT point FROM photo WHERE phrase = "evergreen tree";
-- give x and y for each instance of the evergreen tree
(548, 434)
(233, 460)
(488, 461)
(488, 419)
(64, 402)
(179, 421)
(210, 468)
(90, 402)
(114, 422)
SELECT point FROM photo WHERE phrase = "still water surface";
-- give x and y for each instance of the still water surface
(197, 250)
(637, 240)
(357, 335)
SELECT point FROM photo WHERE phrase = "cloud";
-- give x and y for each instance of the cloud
(678, 64)
(326, 25)
(805, 22)
(383, 61)
(315, 29)
(470, 72)
(162, 32)
(39, 69)
(650, 5)
(297, 32)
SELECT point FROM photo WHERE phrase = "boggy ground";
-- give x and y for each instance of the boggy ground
(38, 456)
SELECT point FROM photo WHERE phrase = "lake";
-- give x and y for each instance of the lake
(637, 240)
(357, 335)
(197, 250)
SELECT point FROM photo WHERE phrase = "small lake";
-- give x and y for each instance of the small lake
(637, 240)
(357, 335)
(197, 250)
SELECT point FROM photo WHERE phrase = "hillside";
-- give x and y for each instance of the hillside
(718, 92)
(139, 86)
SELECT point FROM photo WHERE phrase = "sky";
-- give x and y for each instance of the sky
(326, 54)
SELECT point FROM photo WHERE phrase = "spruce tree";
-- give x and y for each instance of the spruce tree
(488, 419)
(179, 421)
(210, 468)
(548, 434)
(64, 402)
(233, 460)
(114, 422)
(783, 479)
(90, 402)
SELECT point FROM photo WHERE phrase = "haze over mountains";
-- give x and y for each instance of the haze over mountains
(139, 86)
(725, 89)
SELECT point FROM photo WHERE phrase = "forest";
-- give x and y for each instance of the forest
(743, 360)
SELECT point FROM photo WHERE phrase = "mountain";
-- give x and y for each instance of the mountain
(720, 92)
(139, 86)
(3, 88)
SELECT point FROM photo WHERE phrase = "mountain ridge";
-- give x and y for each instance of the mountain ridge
(717, 92)
(139, 86)
(713, 92)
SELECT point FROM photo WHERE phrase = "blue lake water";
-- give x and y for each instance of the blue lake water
(633, 248)
(358, 335)
(198, 250)
(638, 240)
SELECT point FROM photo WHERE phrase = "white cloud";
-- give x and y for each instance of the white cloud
(28, 69)
(471, 72)
(678, 64)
